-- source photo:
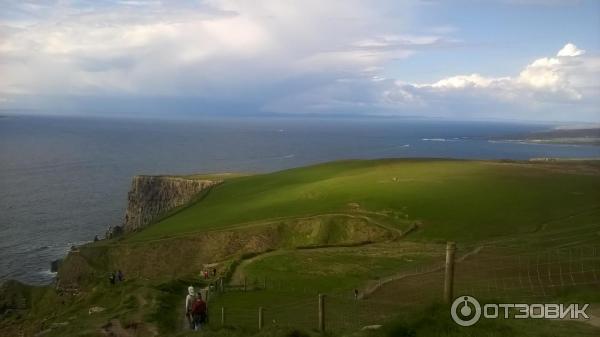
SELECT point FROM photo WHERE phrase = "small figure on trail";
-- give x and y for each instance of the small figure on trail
(214, 272)
(120, 276)
(112, 278)
(356, 294)
(189, 301)
(206, 274)
(198, 312)
(96, 239)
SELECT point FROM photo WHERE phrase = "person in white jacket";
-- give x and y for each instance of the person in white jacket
(189, 300)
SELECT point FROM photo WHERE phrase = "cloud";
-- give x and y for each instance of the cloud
(551, 85)
(210, 49)
(267, 56)
(556, 75)
(559, 88)
(570, 50)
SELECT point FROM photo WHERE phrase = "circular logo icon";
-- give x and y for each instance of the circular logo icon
(465, 310)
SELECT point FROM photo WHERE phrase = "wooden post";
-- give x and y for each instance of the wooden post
(260, 318)
(222, 316)
(449, 276)
(222, 285)
(321, 312)
(245, 282)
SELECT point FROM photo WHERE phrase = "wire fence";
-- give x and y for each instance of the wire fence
(499, 270)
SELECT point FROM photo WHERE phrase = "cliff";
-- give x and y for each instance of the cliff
(152, 196)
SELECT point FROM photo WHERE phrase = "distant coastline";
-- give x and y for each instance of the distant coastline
(588, 136)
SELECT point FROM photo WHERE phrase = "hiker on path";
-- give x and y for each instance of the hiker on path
(120, 276)
(198, 313)
(112, 278)
(189, 302)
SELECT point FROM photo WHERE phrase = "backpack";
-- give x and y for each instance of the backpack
(199, 307)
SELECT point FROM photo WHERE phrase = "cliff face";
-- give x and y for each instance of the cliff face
(153, 196)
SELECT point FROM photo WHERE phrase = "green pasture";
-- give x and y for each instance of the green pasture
(460, 200)
(337, 270)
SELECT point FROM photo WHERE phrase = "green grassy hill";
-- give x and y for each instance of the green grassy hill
(526, 231)
(462, 200)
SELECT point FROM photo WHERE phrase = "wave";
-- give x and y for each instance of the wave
(46, 273)
(40, 248)
(440, 139)
(533, 142)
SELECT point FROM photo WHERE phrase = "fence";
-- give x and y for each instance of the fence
(502, 270)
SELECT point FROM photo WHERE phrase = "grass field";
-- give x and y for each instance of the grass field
(462, 200)
(525, 231)
(337, 269)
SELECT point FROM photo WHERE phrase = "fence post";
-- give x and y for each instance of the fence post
(245, 283)
(260, 318)
(222, 316)
(222, 285)
(449, 275)
(321, 312)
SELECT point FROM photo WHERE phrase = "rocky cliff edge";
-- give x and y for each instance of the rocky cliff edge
(153, 196)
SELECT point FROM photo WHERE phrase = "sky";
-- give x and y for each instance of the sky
(523, 60)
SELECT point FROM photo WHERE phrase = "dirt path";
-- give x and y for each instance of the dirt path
(114, 328)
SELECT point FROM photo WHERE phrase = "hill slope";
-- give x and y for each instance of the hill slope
(466, 200)
(379, 226)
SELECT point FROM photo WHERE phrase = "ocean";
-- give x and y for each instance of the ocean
(65, 179)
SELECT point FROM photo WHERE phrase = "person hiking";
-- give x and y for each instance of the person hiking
(198, 312)
(120, 276)
(189, 302)
(112, 278)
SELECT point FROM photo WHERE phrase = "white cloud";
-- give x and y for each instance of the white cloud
(570, 50)
(462, 82)
(150, 48)
(547, 85)
(558, 75)
(544, 74)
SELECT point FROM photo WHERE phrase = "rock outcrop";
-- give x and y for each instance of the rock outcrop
(153, 196)
(54, 265)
